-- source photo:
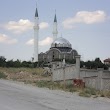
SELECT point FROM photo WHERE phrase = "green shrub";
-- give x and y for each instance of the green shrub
(49, 84)
(83, 94)
(90, 91)
(70, 88)
(41, 83)
(87, 92)
(2, 75)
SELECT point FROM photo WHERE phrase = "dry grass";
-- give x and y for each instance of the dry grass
(88, 92)
(105, 93)
(35, 76)
(17, 70)
(2, 75)
(23, 74)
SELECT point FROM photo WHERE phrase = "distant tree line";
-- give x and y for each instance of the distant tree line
(94, 64)
(17, 63)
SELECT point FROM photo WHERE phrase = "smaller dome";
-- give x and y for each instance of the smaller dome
(61, 42)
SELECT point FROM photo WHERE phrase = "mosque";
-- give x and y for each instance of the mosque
(60, 48)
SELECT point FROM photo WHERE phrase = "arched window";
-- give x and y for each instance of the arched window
(55, 44)
(53, 55)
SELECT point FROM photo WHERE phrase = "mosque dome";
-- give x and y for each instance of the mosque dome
(61, 42)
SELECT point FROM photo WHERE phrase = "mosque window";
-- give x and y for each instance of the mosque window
(55, 45)
(53, 55)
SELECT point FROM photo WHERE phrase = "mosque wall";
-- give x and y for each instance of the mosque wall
(55, 54)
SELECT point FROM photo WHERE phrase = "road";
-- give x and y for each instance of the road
(18, 96)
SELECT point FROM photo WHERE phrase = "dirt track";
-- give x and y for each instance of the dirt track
(17, 96)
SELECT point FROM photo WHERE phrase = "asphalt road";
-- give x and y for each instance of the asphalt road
(17, 96)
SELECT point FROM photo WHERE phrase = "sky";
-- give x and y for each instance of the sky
(84, 23)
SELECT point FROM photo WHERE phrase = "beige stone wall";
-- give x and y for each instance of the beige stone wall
(59, 73)
(97, 79)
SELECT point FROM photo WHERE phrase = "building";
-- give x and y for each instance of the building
(36, 36)
(60, 47)
(107, 61)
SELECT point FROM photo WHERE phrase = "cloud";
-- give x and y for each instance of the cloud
(7, 40)
(43, 25)
(19, 26)
(22, 26)
(30, 42)
(85, 17)
(46, 41)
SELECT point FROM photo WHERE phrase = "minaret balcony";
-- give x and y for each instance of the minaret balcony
(36, 27)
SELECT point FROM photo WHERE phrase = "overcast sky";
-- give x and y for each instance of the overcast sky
(85, 23)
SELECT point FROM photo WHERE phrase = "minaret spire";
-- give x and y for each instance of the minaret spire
(55, 18)
(55, 32)
(36, 13)
(36, 35)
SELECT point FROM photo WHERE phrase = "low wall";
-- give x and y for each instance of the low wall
(70, 72)
(91, 81)
(88, 73)
(63, 73)
(98, 79)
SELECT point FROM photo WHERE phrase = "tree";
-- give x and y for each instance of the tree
(2, 61)
(17, 63)
(10, 63)
(82, 64)
(24, 64)
(88, 64)
(98, 63)
(94, 64)
(27, 64)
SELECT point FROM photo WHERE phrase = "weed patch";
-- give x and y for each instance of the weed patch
(87, 92)
(2, 75)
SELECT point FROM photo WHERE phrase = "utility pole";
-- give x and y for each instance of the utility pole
(64, 81)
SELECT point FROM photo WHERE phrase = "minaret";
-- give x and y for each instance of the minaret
(36, 36)
(55, 32)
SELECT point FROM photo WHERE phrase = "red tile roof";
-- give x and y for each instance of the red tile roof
(107, 60)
